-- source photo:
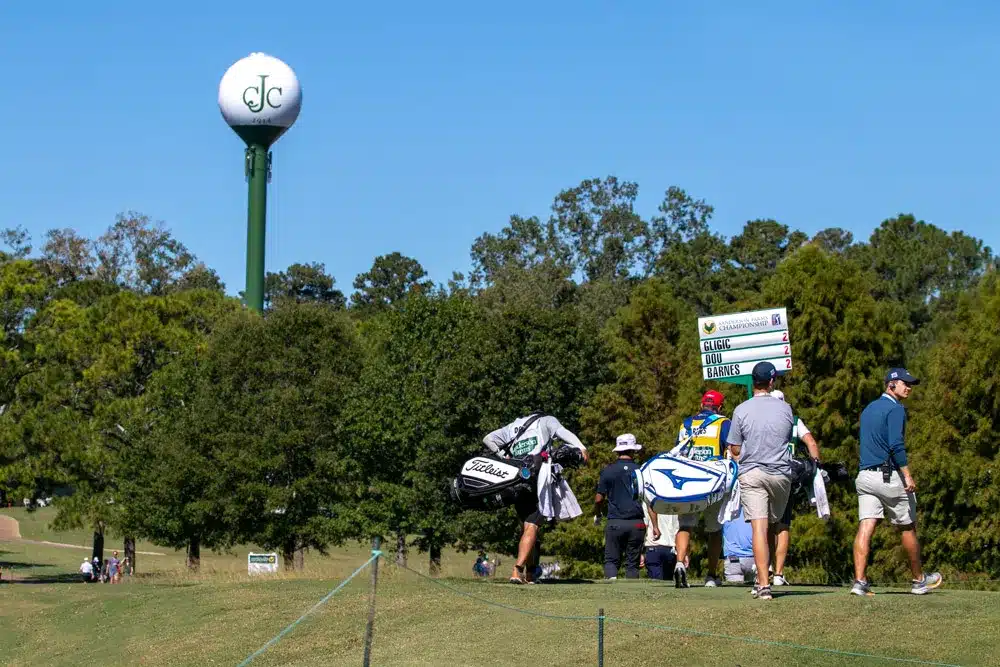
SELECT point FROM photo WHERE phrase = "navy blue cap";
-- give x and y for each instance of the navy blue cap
(901, 375)
(764, 371)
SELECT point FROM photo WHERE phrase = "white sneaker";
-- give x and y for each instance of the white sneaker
(930, 581)
(861, 588)
(712, 582)
(779, 580)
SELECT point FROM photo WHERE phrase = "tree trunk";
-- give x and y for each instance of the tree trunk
(288, 556)
(129, 550)
(194, 554)
(401, 548)
(435, 564)
(98, 550)
(300, 559)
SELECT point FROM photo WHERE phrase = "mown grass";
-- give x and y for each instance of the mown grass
(219, 617)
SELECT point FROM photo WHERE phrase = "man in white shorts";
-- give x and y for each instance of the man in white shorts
(885, 485)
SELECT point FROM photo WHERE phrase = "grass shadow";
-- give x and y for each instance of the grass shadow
(14, 565)
(63, 578)
(792, 593)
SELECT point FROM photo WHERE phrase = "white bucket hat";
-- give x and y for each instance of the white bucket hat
(626, 443)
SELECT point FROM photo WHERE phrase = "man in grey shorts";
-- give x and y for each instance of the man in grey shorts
(758, 439)
(885, 485)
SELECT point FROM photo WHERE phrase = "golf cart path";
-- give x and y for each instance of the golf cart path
(74, 546)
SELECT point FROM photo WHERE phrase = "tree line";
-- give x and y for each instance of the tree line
(154, 406)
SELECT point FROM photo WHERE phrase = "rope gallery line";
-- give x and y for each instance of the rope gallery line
(625, 621)
(326, 598)
(767, 642)
(526, 612)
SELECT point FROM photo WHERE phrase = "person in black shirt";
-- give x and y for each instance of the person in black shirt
(626, 527)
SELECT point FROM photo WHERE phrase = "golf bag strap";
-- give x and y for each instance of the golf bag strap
(685, 446)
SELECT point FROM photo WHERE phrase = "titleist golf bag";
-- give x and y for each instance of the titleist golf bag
(492, 481)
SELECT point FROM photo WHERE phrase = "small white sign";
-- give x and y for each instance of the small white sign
(725, 371)
(260, 563)
(756, 321)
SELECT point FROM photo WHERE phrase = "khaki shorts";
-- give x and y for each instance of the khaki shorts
(878, 500)
(764, 496)
(711, 514)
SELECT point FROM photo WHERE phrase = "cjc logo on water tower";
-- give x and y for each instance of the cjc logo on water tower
(260, 91)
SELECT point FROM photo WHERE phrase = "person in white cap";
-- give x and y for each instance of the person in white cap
(625, 531)
(800, 434)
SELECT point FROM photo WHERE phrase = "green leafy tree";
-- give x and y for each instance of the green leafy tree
(89, 367)
(141, 255)
(953, 436)
(598, 222)
(269, 405)
(302, 283)
(391, 278)
(687, 254)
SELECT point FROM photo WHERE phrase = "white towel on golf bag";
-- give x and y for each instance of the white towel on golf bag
(730, 509)
(818, 496)
(555, 500)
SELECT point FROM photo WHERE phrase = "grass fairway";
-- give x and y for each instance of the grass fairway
(168, 617)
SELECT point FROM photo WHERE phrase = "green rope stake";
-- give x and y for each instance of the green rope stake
(319, 604)
(370, 627)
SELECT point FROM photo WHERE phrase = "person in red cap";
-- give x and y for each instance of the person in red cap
(707, 432)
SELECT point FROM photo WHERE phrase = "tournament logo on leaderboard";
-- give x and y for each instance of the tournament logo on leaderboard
(742, 323)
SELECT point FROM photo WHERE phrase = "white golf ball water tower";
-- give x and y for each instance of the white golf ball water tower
(260, 98)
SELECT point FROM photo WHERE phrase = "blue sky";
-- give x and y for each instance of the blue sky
(426, 124)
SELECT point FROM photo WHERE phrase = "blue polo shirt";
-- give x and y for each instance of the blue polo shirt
(618, 484)
(883, 427)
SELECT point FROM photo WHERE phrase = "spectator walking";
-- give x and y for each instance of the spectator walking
(87, 570)
(885, 484)
(758, 439)
(113, 568)
(626, 527)
(659, 556)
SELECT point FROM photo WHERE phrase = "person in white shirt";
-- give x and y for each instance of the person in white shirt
(800, 433)
(659, 557)
(87, 570)
(529, 436)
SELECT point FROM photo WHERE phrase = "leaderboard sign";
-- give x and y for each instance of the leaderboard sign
(731, 345)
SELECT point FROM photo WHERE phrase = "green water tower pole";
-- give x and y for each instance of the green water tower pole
(260, 98)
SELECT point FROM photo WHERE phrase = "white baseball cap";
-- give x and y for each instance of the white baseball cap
(626, 443)
(778, 394)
